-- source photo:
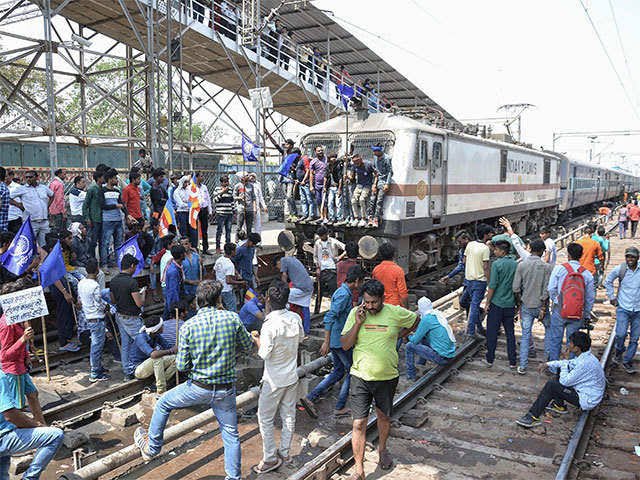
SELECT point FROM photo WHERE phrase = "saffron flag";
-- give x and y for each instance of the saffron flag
(286, 164)
(21, 251)
(250, 150)
(131, 247)
(346, 93)
(250, 293)
(52, 268)
(194, 203)
(167, 218)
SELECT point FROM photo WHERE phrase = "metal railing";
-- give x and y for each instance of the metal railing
(307, 65)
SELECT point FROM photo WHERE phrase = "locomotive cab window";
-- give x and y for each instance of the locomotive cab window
(437, 155)
(503, 166)
(546, 172)
(422, 158)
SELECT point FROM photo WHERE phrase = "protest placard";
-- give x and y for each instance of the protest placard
(24, 305)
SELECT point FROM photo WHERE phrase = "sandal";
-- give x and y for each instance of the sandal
(385, 461)
(267, 467)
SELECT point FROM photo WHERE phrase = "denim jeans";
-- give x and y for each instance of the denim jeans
(97, 329)
(347, 193)
(497, 316)
(182, 218)
(527, 317)
(472, 296)
(334, 205)
(622, 229)
(110, 230)
(224, 222)
(627, 321)
(558, 328)
(290, 203)
(129, 327)
(94, 234)
(341, 365)
(46, 441)
(377, 202)
(223, 404)
(307, 202)
(229, 301)
(422, 351)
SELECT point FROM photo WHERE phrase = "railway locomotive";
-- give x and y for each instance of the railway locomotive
(445, 181)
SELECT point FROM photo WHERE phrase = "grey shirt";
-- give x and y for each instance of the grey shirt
(297, 273)
(531, 280)
(244, 195)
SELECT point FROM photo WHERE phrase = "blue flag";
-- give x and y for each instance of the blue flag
(131, 247)
(20, 253)
(250, 151)
(286, 164)
(346, 93)
(52, 268)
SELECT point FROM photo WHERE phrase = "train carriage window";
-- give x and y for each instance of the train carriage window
(546, 173)
(422, 157)
(503, 166)
(437, 155)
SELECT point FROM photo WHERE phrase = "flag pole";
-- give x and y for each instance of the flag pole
(177, 337)
(44, 340)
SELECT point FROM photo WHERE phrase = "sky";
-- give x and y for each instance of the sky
(473, 56)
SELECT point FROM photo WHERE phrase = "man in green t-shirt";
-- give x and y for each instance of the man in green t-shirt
(502, 303)
(372, 330)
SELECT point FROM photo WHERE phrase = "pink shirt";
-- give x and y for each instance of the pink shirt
(57, 205)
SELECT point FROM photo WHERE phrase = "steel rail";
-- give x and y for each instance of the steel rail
(577, 437)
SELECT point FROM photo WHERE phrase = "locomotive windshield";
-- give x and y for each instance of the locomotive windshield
(362, 143)
(330, 143)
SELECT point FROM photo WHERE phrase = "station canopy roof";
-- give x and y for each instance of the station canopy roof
(312, 27)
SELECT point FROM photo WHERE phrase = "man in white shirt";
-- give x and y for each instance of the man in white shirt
(181, 202)
(551, 253)
(93, 308)
(35, 199)
(278, 343)
(226, 275)
(203, 217)
(77, 195)
(326, 253)
(15, 213)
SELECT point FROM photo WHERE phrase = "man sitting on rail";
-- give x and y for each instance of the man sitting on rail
(212, 376)
(434, 339)
(151, 355)
(582, 382)
(372, 330)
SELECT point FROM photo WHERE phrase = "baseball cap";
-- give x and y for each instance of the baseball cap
(633, 251)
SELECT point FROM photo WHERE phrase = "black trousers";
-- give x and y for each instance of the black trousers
(554, 390)
(64, 314)
(203, 217)
(14, 225)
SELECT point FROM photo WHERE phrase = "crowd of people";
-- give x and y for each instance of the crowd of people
(347, 191)
(206, 324)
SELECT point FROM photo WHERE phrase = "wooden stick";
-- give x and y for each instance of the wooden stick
(46, 348)
(177, 336)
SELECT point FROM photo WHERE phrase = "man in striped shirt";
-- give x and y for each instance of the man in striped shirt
(207, 352)
(223, 198)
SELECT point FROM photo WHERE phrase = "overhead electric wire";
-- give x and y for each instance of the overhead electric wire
(379, 37)
(624, 51)
(613, 66)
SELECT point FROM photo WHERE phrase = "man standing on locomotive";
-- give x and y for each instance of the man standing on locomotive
(382, 164)
(364, 176)
(317, 169)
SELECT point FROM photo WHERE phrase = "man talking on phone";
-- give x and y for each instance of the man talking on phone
(372, 330)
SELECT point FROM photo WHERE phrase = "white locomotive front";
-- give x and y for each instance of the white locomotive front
(443, 182)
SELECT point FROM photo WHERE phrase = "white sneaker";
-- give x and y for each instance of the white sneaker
(362, 223)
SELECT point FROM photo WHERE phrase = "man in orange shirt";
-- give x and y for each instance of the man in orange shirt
(590, 250)
(634, 216)
(131, 198)
(391, 275)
